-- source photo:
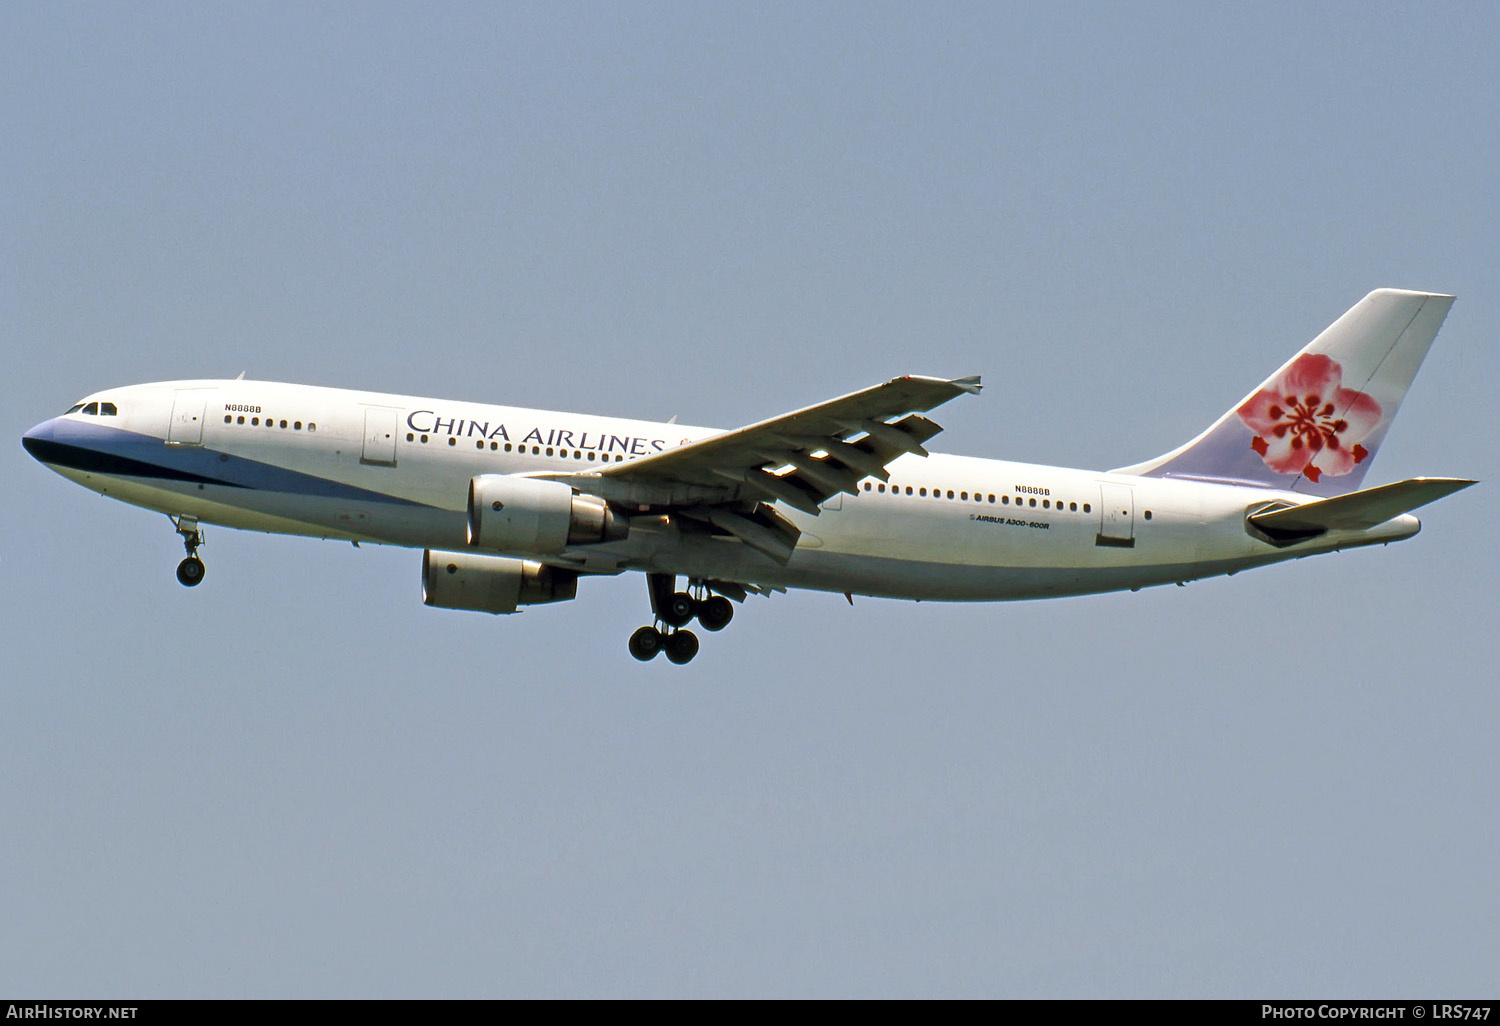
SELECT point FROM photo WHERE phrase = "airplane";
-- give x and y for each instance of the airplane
(514, 507)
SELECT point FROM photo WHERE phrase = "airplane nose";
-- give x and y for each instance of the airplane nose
(35, 441)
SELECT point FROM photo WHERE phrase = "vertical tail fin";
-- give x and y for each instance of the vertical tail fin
(1314, 426)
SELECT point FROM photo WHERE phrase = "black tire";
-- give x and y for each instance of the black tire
(645, 643)
(715, 612)
(682, 646)
(190, 572)
(679, 611)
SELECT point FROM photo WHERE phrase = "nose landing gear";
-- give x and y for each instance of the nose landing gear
(191, 570)
(675, 610)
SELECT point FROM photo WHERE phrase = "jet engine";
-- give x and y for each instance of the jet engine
(492, 584)
(526, 514)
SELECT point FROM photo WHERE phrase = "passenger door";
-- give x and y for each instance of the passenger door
(1116, 516)
(379, 446)
(186, 426)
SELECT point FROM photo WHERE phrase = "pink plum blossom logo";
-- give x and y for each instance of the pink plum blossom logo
(1307, 422)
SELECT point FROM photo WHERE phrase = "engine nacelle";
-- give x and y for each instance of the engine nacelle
(492, 584)
(525, 514)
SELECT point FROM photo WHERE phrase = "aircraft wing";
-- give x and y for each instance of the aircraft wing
(802, 459)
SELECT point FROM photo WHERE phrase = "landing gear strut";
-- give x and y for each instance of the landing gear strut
(190, 571)
(675, 610)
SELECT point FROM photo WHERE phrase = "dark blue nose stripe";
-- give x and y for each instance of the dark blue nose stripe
(67, 444)
(95, 461)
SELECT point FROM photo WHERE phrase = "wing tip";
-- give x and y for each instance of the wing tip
(968, 384)
(1454, 484)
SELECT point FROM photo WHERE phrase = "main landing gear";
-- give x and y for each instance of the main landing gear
(675, 610)
(190, 571)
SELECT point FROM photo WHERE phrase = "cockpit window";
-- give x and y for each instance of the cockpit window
(91, 410)
(108, 410)
(74, 409)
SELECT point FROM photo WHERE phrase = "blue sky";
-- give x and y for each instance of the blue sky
(298, 781)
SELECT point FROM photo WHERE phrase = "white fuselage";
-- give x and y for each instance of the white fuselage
(392, 469)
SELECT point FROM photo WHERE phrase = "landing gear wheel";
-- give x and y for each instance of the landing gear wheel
(679, 610)
(646, 642)
(190, 572)
(682, 646)
(715, 612)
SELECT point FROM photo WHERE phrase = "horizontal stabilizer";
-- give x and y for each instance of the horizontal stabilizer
(1358, 511)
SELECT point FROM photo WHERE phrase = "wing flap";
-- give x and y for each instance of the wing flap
(763, 529)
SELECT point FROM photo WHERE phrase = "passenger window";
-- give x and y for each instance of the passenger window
(922, 492)
(255, 422)
(1087, 507)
